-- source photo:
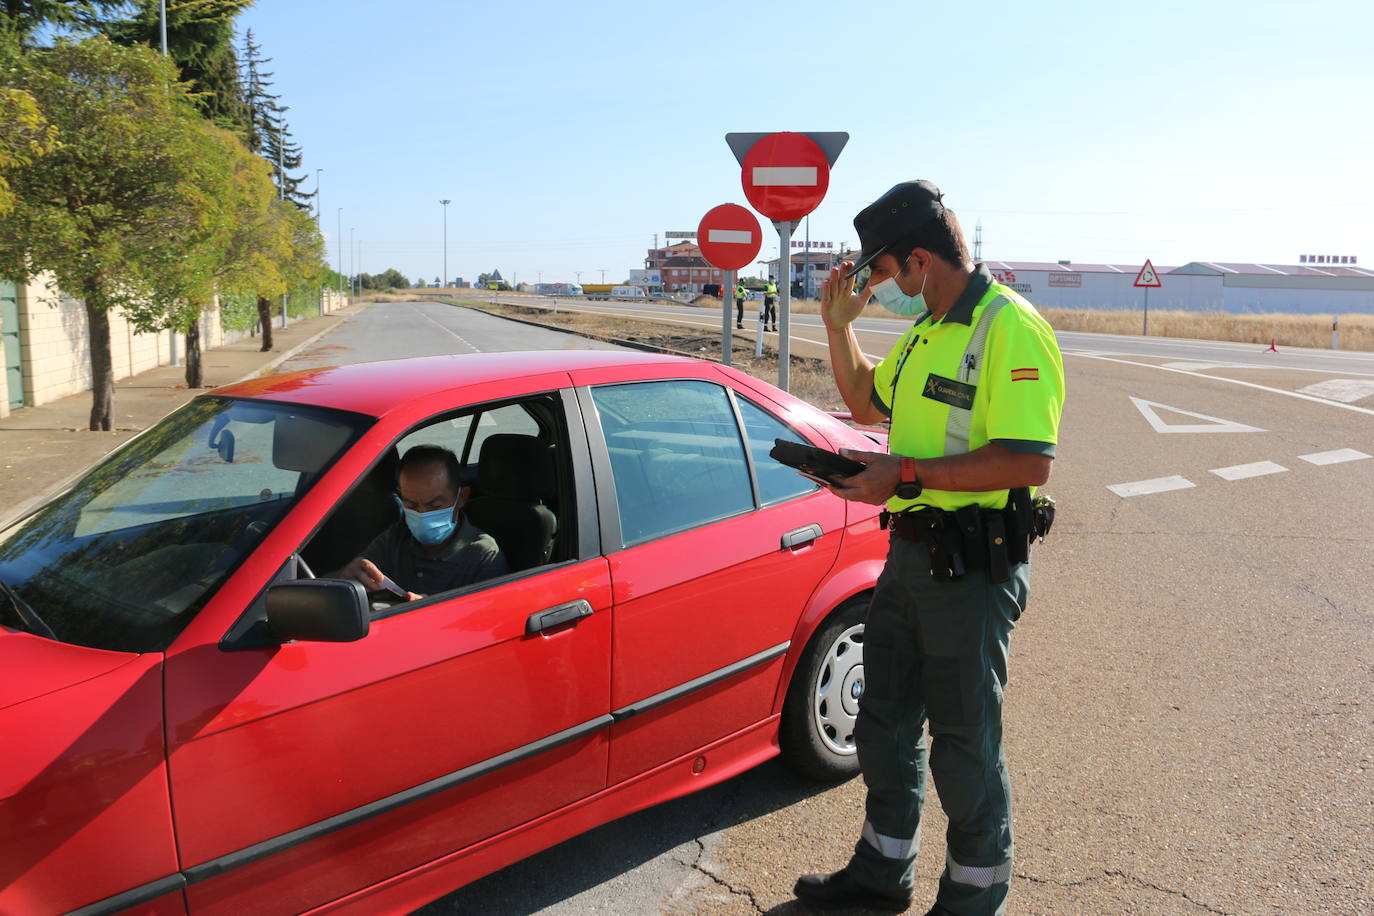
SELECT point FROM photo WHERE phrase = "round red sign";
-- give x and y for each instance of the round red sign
(785, 175)
(729, 237)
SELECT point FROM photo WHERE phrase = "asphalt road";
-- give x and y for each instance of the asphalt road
(1190, 720)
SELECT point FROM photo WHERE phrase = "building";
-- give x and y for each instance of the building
(1195, 286)
(816, 263)
(681, 268)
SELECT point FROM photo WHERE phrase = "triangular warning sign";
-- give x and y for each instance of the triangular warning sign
(1147, 275)
(1148, 409)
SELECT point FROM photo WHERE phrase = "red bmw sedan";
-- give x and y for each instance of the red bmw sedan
(201, 715)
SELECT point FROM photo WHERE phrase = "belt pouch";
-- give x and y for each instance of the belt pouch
(969, 520)
(999, 565)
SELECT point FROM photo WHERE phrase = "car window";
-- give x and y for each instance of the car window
(776, 481)
(127, 556)
(676, 456)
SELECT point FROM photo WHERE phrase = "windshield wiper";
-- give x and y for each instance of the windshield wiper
(29, 615)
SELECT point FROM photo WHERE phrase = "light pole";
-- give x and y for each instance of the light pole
(603, 275)
(338, 246)
(445, 204)
(281, 195)
(352, 270)
(317, 196)
(162, 27)
(578, 274)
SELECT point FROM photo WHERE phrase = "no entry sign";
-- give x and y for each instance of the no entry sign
(729, 237)
(785, 176)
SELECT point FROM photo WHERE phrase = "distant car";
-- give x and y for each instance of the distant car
(198, 720)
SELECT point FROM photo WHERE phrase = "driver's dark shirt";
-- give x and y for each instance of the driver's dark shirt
(469, 555)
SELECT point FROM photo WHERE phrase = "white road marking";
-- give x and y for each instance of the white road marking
(1335, 457)
(1254, 469)
(1236, 381)
(1213, 425)
(460, 337)
(1191, 366)
(1145, 487)
(1345, 390)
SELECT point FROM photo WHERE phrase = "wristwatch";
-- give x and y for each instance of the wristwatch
(908, 485)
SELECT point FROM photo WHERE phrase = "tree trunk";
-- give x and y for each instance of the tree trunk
(265, 318)
(195, 373)
(102, 362)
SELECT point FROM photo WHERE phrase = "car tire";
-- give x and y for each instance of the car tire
(817, 729)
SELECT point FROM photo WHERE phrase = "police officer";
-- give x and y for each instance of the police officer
(770, 304)
(740, 295)
(974, 390)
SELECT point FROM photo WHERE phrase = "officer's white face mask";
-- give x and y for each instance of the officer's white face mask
(891, 297)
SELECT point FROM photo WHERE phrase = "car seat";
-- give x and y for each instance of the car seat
(513, 471)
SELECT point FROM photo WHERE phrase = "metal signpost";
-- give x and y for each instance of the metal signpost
(1147, 278)
(729, 238)
(785, 176)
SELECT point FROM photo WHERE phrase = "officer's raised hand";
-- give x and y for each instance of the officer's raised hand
(876, 483)
(840, 305)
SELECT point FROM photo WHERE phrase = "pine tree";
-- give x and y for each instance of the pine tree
(24, 18)
(268, 134)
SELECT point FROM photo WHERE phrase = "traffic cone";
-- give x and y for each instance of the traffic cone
(1272, 348)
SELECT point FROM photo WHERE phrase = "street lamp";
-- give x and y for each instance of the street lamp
(281, 173)
(317, 196)
(445, 204)
(338, 246)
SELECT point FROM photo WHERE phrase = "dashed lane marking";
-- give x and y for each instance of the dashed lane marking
(1254, 469)
(1345, 390)
(1334, 457)
(1157, 485)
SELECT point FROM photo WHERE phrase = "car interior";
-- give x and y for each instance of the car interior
(520, 486)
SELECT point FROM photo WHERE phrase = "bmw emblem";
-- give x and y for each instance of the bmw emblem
(856, 689)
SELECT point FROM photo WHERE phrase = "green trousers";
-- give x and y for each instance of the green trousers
(937, 652)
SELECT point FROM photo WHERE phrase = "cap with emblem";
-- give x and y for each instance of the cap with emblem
(895, 216)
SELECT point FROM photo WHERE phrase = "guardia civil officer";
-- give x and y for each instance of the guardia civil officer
(770, 304)
(974, 390)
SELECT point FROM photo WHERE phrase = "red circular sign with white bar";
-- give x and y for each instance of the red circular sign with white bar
(785, 175)
(729, 237)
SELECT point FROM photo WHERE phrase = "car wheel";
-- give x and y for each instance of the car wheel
(817, 730)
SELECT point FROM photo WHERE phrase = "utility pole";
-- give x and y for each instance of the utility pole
(444, 283)
(317, 196)
(338, 246)
(162, 27)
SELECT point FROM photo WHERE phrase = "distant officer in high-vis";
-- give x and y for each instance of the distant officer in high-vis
(740, 295)
(770, 305)
(974, 390)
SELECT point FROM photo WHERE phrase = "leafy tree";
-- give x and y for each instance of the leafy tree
(27, 135)
(24, 18)
(200, 38)
(100, 210)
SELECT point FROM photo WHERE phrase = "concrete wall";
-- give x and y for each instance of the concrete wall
(55, 347)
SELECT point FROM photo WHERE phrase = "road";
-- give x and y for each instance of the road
(1190, 721)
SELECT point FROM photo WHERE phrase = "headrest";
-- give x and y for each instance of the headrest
(514, 466)
(306, 443)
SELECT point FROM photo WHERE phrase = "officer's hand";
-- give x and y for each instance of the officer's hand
(876, 483)
(366, 572)
(840, 305)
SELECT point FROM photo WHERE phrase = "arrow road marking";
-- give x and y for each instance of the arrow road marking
(767, 175)
(741, 236)
(1213, 424)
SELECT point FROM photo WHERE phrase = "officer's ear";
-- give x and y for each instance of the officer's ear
(463, 495)
(920, 261)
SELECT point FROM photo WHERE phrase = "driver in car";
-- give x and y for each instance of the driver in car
(434, 548)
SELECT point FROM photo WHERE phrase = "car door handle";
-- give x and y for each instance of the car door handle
(571, 612)
(803, 535)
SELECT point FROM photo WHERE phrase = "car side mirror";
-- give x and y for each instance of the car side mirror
(318, 610)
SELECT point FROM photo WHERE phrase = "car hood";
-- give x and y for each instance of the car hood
(31, 666)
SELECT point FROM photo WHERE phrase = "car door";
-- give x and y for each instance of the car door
(714, 550)
(303, 772)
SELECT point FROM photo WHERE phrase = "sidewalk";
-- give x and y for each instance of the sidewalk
(43, 446)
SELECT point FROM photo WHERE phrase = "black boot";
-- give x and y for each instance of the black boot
(837, 889)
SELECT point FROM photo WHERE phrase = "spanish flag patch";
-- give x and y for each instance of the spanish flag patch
(1025, 375)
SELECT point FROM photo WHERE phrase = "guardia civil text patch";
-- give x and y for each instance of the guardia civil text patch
(948, 391)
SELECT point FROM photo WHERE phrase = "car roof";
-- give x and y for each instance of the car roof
(376, 388)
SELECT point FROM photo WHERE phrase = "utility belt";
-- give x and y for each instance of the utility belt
(973, 538)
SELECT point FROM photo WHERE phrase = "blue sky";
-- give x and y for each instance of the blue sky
(566, 135)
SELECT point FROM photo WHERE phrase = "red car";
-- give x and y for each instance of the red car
(195, 722)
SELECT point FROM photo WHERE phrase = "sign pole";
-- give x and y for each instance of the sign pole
(784, 300)
(1146, 332)
(727, 293)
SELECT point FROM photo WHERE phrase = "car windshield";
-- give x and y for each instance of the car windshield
(126, 557)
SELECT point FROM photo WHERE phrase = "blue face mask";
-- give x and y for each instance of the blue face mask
(429, 528)
(891, 297)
